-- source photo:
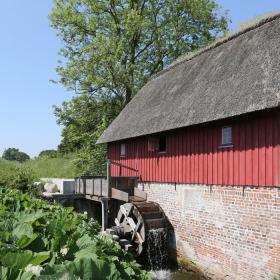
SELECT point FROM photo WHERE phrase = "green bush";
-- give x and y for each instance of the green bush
(18, 177)
(39, 240)
(23, 179)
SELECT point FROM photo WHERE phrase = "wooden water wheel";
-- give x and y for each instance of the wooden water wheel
(135, 219)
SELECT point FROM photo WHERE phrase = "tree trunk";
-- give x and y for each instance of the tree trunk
(128, 96)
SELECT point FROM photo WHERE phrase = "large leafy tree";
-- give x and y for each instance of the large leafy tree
(14, 154)
(112, 47)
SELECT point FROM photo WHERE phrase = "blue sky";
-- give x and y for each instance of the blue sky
(28, 55)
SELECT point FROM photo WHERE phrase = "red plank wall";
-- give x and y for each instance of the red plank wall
(194, 155)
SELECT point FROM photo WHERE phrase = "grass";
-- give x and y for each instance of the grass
(6, 166)
(63, 167)
(53, 167)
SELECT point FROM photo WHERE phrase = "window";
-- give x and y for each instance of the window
(162, 144)
(122, 150)
(227, 135)
(153, 144)
(157, 144)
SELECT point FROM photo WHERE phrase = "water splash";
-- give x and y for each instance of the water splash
(157, 249)
(174, 275)
(161, 274)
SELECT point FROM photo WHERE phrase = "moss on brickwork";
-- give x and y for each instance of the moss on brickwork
(188, 265)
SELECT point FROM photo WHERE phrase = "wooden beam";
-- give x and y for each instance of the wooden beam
(120, 195)
(93, 197)
(140, 193)
(124, 166)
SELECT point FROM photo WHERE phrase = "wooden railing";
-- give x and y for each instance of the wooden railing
(118, 187)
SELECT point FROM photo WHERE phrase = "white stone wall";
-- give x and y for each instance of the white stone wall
(65, 186)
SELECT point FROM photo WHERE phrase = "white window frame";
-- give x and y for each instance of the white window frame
(122, 150)
(227, 135)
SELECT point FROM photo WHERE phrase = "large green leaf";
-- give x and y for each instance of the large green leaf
(34, 232)
(17, 260)
(84, 241)
(9, 273)
(31, 217)
(59, 276)
(24, 241)
(39, 258)
(83, 268)
(20, 260)
(5, 236)
(88, 252)
(23, 229)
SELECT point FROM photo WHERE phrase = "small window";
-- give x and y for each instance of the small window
(227, 135)
(122, 150)
(153, 144)
(162, 144)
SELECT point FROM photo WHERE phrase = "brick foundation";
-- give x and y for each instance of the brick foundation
(229, 232)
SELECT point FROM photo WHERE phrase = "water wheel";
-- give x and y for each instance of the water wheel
(135, 220)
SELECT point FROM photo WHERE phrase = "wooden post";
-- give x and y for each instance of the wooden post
(109, 177)
(104, 204)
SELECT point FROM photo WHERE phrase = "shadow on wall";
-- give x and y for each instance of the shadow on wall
(171, 246)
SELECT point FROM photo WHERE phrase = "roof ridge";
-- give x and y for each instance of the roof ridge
(216, 44)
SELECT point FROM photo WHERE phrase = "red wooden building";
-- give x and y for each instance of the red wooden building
(209, 119)
(196, 155)
(204, 135)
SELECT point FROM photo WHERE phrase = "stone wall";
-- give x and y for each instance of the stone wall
(65, 186)
(229, 232)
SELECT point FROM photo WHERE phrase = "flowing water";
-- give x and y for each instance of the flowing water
(158, 258)
(173, 275)
(157, 249)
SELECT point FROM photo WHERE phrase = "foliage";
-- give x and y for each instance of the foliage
(49, 154)
(18, 177)
(42, 167)
(15, 154)
(60, 167)
(111, 49)
(82, 115)
(92, 158)
(6, 165)
(84, 119)
(39, 240)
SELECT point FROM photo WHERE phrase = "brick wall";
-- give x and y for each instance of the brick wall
(228, 232)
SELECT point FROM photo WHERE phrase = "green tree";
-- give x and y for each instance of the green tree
(111, 48)
(49, 153)
(84, 119)
(15, 154)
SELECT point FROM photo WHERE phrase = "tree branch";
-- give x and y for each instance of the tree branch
(142, 50)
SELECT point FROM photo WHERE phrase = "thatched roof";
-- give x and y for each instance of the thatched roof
(238, 75)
